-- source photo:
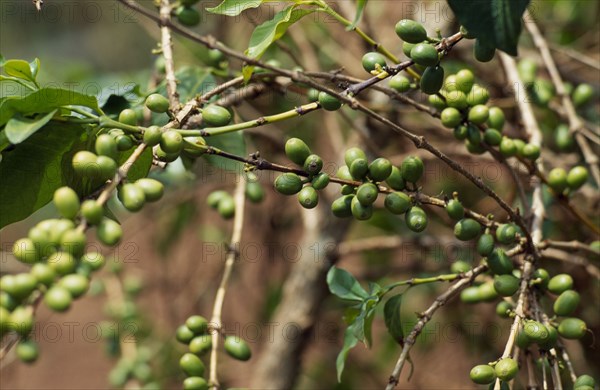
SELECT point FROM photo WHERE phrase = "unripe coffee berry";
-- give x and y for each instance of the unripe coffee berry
(157, 103)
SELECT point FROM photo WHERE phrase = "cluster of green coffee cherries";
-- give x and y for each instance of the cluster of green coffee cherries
(223, 202)
(196, 335)
(542, 90)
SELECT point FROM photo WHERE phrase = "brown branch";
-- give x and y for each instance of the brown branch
(555, 254)
(215, 322)
(167, 51)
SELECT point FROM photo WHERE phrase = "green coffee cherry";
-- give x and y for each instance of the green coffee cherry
(460, 266)
(395, 180)
(397, 202)
(451, 117)
(328, 102)
(520, 144)
(348, 189)
(312, 95)
(425, 54)
(24, 284)
(157, 103)
(215, 197)
(399, 83)
(58, 298)
(531, 152)
(216, 57)
(128, 117)
(342, 207)
(94, 260)
(522, 340)
(411, 31)
(560, 283)
(432, 79)
(184, 335)
(152, 135)
(541, 278)
(308, 198)
(416, 219)
(21, 320)
(27, 351)
(572, 328)
(492, 137)
(132, 196)
(566, 303)
(297, 151)
(582, 94)
(407, 47)
(359, 169)
(171, 142)
(352, 154)
(288, 184)
(201, 344)
(550, 341)
(506, 369)
(195, 383)
(187, 16)
(456, 99)
(372, 61)
(255, 192)
(380, 169)
(450, 83)
(487, 292)
(226, 207)
(470, 295)
(412, 169)
(197, 324)
(496, 118)
(437, 102)
(191, 365)
(478, 95)
(506, 233)
(107, 167)
(503, 309)
(508, 147)
(479, 114)
(584, 380)
(237, 348)
(360, 211)
(92, 211)
(577, 177)
(73, 241)
(109, 232)
(536, 331)
(455, 209)
(465, 79)
(482, 52)
(84, 163)
(482, 374)
(460, 132)
(26, 251)
(506, 285)
(216, 116)
(320, 181)
(527, 69)
(153, 189)
(106, 145)
(467, 229)
(367, 194)
(76, 285)
(67, 202)
(557, 180)
(564, 139)
(43, 273)
(313, 164)
(62, 263)
(499, 262)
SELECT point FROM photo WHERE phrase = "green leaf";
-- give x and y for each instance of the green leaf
(43, 101)
(391, 313)
(343, 285)
(140, 167)
(350, 342)
(19, 128)
(230, 142)
(34, 66)
(360, 7)
(496, 23)
(265, 34)
(19, 69)
(234, 7)
(34, 170)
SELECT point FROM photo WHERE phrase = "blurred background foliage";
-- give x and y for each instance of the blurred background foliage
(175, 249)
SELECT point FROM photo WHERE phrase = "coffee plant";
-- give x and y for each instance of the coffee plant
(363, 113)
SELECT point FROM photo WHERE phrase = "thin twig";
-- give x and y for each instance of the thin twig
(571, 246)
(167, 51)
(555, 254)
(575, 122)
(215, 322)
